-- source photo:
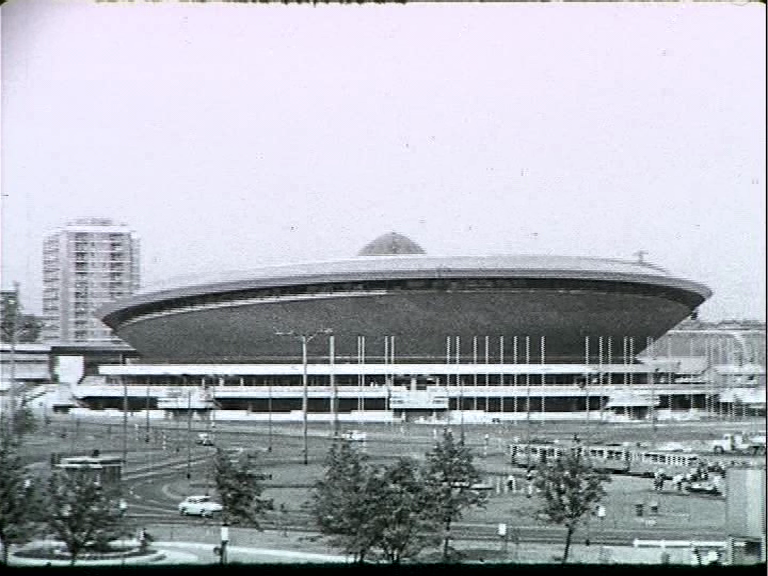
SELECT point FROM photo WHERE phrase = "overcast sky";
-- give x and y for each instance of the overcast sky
(233, 136)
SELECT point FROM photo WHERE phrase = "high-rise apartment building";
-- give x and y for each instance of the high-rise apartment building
(87, 263)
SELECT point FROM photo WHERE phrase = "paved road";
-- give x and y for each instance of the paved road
(154, 496)
(157, 477)
(158, 482)
(197, 553)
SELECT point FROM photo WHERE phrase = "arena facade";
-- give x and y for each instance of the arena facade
(395, 334)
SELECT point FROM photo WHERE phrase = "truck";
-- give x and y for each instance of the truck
(732, 443)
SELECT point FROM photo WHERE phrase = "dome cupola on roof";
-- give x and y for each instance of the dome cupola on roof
(389, 244)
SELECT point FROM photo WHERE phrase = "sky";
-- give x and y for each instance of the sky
(232, 136)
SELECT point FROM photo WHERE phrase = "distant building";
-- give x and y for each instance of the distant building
(86, 264)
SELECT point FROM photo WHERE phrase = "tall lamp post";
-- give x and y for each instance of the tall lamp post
(334, 388)
(189, 426)
(269, 409)
(13, 304)
(304, 338)
(125, 421)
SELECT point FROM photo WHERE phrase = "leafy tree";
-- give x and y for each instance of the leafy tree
(341, 501)
(404, 523)
(19, 497)
(23, 421)
(240, 489)
(25, 327)
(450, 477)
(82, 513)
(570, 488)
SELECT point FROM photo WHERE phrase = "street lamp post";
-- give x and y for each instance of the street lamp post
(601, 515)
(586, 386)
(334, 388)
(13, 304)
(125, 421)
(224, 542)
(269, 422)
(305, 338)
(147, 407)
(189, 429)
(304, 396)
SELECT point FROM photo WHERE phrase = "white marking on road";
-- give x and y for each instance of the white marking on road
(258, 551)
(167, 492)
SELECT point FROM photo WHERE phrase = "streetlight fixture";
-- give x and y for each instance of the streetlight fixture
(304, 338)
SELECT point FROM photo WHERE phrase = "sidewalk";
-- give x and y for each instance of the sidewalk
(271, 541)
(175, 553)
(164, 553)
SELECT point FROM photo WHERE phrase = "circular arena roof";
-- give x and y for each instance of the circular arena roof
(389, 244)
(393, 288)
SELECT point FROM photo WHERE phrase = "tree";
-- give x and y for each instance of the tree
(82, 513)
(450, 479)
(240, 489)
(19, 497)
(404, 523)
(23, 421)
(341, 502)
(570, 488)
(14, 325)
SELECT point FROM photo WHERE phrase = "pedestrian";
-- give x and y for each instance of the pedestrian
(696, 557)
(142, 539)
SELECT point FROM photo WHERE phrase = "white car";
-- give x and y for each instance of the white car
(199, 506)
(355, 435)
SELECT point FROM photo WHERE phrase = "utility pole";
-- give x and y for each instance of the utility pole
(125, 422)
(305, 338)
(269, 409)
(335, 391)
(13, 304)
(189, 429)
(586, 384)
(146, 407)
(528, 402)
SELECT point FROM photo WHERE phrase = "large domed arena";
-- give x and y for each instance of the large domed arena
(392, 288)
(395, 333)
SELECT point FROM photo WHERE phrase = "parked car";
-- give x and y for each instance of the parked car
(355, 435)
(204, 439)
(199, 506)
(703, 488)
